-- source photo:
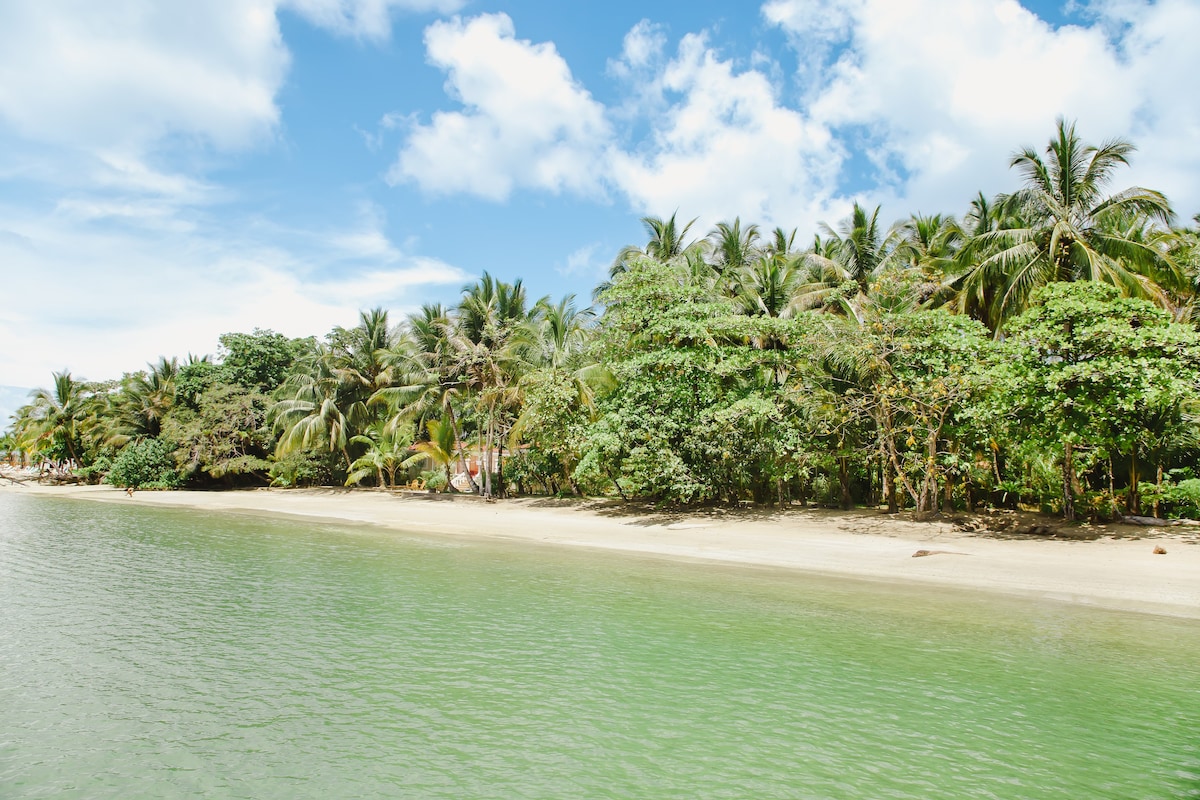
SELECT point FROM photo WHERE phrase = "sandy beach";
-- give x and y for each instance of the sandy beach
(1119, 569)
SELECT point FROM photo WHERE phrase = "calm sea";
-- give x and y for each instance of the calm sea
(150, 653)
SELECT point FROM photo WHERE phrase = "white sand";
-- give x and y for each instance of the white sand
(1119, 573)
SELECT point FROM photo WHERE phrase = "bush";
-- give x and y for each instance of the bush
(1181, 499)
(148, 464)
(434, 479)
(302, 468)
(94, 472)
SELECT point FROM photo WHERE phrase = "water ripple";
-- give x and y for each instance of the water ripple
(149, 653)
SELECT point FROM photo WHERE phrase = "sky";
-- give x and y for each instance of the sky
(171, 171)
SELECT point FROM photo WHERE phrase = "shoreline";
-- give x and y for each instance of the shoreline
(1118, 571)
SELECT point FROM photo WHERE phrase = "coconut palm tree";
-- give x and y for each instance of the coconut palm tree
(557, 333)
(441, 448)
(143, 402)
(385, 452)
(312, 415)
(841, 266)
(51, 422)
(667, 243)
(1064, 227)
(731, 247)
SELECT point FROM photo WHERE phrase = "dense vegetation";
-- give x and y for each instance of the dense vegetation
(1042, 350)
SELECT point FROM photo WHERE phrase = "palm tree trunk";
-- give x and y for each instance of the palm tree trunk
(462, 459)
(486, 457)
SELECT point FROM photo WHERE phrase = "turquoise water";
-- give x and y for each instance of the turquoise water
(162, 654)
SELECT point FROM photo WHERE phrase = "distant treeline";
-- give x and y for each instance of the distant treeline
(1040, 351)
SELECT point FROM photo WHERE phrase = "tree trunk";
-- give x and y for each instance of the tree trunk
(1158, 479)
(889, 486)
(500, 465)
(462, 458)
(1068, 478)
(617, 484)
(844, 481)
(485, 458)
(1134, 502)
(929, 482)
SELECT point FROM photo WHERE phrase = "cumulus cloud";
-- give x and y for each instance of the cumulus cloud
(942, 94)
(642, 47)
(121, 74)
(526, 121)
(726, 145)
(366, 19)
(117, 294)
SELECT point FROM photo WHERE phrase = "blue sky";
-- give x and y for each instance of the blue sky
(173, 170)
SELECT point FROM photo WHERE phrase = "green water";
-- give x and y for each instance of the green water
(161, 654)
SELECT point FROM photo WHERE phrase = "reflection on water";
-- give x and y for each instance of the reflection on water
(151, 653)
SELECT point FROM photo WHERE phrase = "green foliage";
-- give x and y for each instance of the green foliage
(532, 467)
(194, 380)
(735, 367)
(145, 464)
(260, 360)
(387, 449)
(226, 438)
(94, 472)
(303, 468)
(1093, 372)
(435, 480)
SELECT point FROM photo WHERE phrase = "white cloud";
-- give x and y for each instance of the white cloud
(946, 92)
(642, 47)
(367, 19)
(586, 260)
(122, 74)
(122, 298)
(726, 146)
(526, 121)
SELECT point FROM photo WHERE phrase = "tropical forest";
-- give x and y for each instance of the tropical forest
(1036, 350)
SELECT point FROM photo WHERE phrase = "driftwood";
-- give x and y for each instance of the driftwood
(1155, 522)
(923, 553)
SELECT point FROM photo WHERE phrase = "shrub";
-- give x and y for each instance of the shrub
(94, 472)
(302, 468)
(147, 464)
(434, 479)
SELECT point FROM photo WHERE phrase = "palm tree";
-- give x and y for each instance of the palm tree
(143, 403)
(312, 416)
(557, 333)
(842, 266)
(385, 454)
(667, 243)
(50, 423)
(441, 448)
(926, 246)
(731, 248)
(361, 357)
(1064, 227)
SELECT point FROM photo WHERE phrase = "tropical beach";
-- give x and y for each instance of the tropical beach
(1113, 566)
(508, 399)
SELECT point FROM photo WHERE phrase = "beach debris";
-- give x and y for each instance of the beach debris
(923, 553)
(1159, 550)
(1159, 523)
